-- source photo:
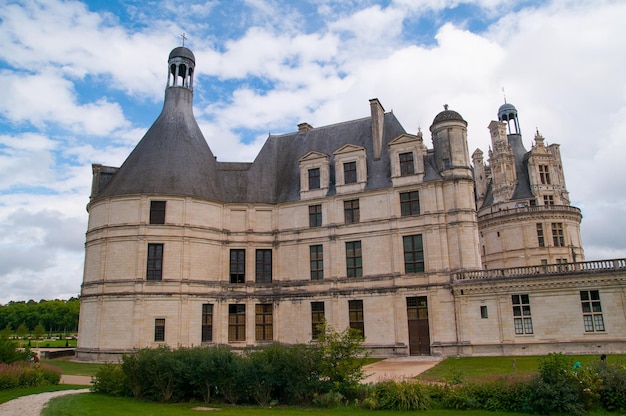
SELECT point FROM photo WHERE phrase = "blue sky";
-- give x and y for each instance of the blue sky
(83, 81)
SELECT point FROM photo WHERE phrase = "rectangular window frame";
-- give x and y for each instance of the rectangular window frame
(318, 318)
(409, 203)
(314, 178)
(593, 318)
(484, 313)
(154, 262)
(159, 330)
(157, 212)
(558, 236)
(349, 173)
(541, 242)
(315, 216)
(355, 316)
(407, 167)
(351, 211)
(237, 268)
(522, 319)
(544, 175)
(236, 322)
(207, 322)
(354, 259)
(264, 322)
(316, 261)
(263, 265)
(413, 247)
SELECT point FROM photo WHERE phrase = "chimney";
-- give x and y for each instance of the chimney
(378, 118)
(304, 127)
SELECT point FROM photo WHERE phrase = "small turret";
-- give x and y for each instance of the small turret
(449, 133)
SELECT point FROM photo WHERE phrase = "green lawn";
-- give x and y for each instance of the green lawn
(93, 404)
(489, 368)
(74, 368)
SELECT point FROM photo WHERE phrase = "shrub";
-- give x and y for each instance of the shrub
(330, 399)
(404, 395)
(26, 375)
(558, 388)
(111, 380)
(612, 390)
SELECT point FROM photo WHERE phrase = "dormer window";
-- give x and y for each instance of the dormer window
(406, 164)
(350, 169)
(314, 178)
(314, 175)
(349, 172)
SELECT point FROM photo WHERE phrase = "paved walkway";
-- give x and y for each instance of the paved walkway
(399, 368)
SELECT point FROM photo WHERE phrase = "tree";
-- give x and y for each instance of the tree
(6, 332)
(343, 358)
(21, 332)
(39, 332)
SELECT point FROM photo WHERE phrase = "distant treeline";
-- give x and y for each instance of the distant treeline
(56, 316)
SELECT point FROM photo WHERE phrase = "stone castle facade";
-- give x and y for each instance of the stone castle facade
(357, 224)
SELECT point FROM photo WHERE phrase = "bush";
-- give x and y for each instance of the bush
(404, 395)
(111, 380)
(559, 388)
(612, 390)
(25, 375)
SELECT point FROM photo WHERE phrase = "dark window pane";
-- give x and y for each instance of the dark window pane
(157, 212)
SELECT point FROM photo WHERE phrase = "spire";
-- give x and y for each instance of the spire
(173, 157)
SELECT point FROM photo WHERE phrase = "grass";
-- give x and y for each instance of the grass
(488, 368)
(96, 404)
(74, 368)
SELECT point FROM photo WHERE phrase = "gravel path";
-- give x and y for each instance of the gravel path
(32, 405)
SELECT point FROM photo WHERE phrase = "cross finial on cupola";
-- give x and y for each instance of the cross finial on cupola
(184, 38)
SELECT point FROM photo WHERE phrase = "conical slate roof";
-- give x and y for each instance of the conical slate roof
(172, 158)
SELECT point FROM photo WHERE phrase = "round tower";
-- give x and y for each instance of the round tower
(449, 134)
(508, 114)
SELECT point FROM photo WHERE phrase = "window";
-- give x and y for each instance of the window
(544, 175)
(413, 253)
(317, 318)
(236, 323)
(355, 310)
(540, 239)
(317, 262)
(349, 172)
(159, 330)
(548, 200)
(562, 265)
(237, 266)
(446, 164)
(354, 262)
(409, 203)
(157, 212)
(557, 234)
(314, 178)
(154, 269)
(263, 265)
(483, 312)
(264, 324)
(207, 322)
(351, 211)
(406, 164)
(592, 310)
(521, 314)
(315, 216)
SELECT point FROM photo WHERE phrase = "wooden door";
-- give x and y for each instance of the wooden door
(419, 333)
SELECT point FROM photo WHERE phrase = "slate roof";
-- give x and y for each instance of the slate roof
(274, 176)
(172, 158)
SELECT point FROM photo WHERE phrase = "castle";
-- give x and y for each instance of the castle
(357, 224)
